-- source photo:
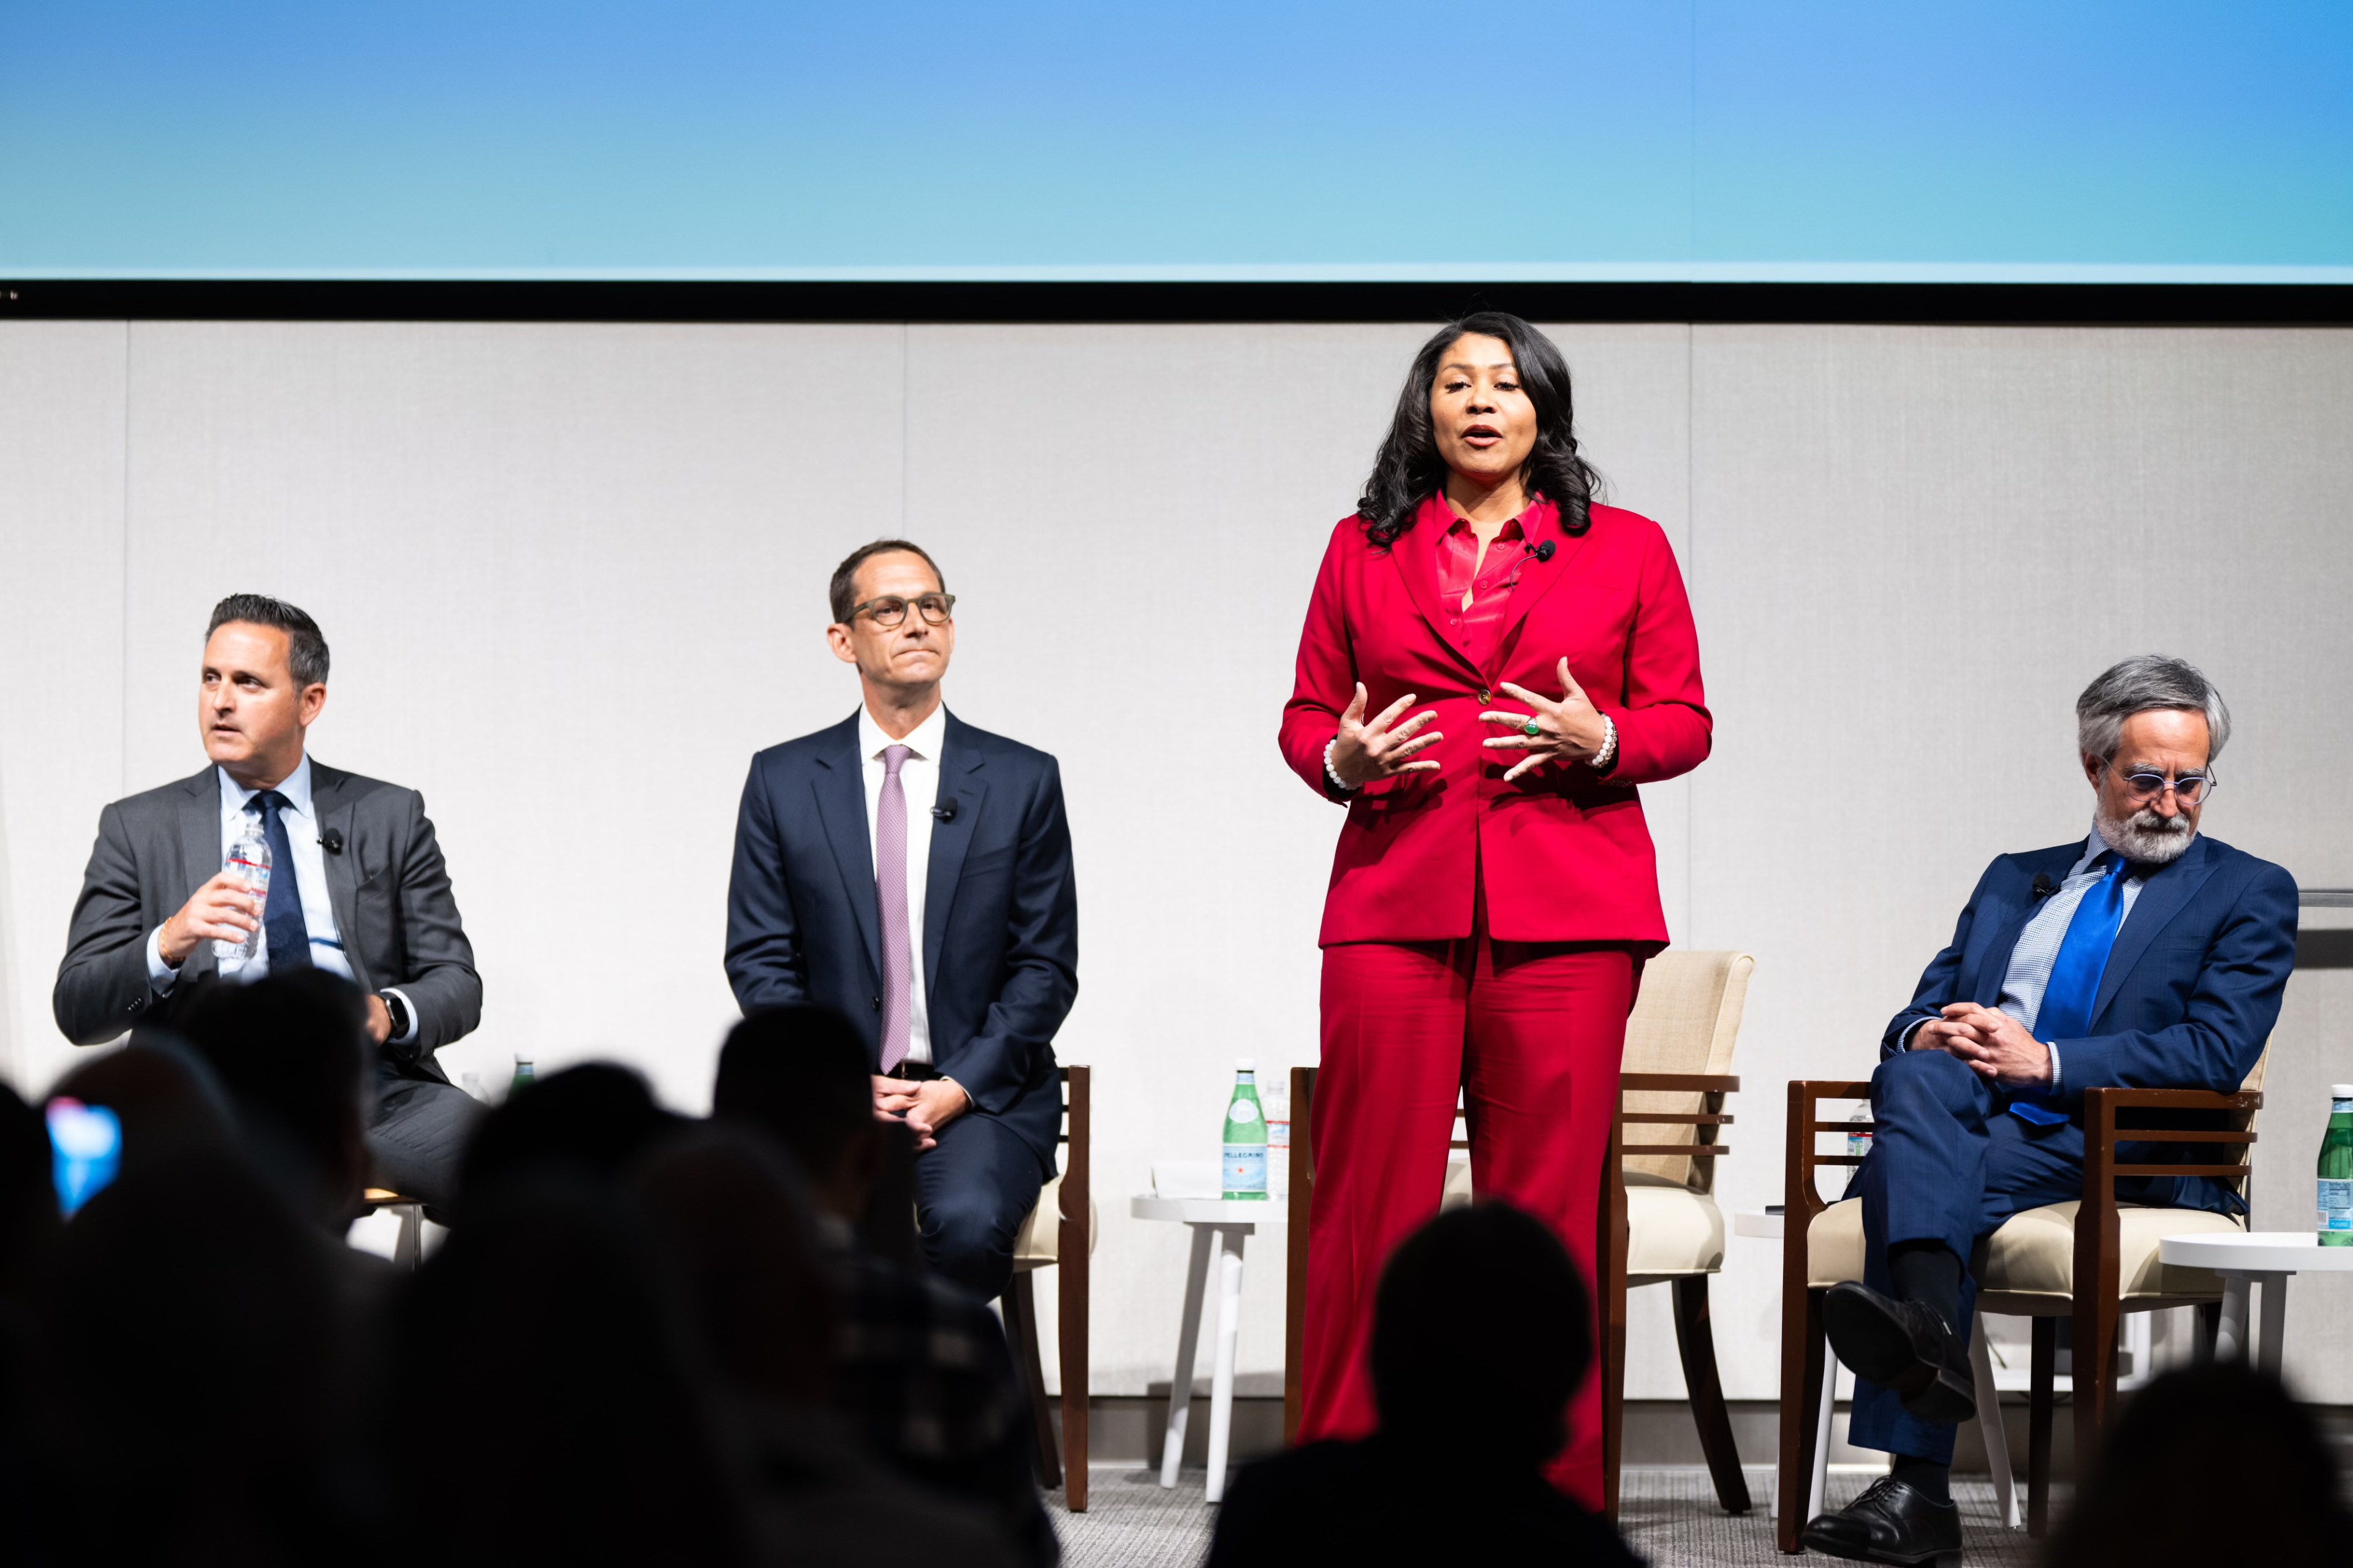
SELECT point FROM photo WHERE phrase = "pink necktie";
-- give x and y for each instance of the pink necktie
(890, 891)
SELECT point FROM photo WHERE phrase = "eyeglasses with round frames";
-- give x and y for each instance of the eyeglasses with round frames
(889, 610)
(2146, 784)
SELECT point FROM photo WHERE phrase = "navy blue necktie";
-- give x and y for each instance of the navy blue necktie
(2075, 984)
(281, 917)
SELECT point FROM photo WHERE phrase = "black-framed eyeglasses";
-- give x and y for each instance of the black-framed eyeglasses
(2146, 784)
(890, 609)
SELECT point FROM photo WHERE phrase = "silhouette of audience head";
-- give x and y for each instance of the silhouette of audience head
(540, 1358)
(1481, 1335)
(292, 1051)
(727, 1215)
(196, 1386)
(595, 1120)
(801, 1075)
(2208, 1464)
(163, 1093)
(29, 1198)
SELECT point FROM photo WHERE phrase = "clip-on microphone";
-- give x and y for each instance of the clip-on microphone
(2043, 886)
(1541, 552)
(332, 841)
(944, 813)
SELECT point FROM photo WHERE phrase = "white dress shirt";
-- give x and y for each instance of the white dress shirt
(301, 820)
(919, 776)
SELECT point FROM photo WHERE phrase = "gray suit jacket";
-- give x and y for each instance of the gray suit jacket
(389, 885)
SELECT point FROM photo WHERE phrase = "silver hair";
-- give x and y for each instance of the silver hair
(2142, 684)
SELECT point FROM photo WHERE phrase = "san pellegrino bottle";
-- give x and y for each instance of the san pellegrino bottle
(2336, 1169)
(1244, 1166)
(249, 862)
(522, 1076)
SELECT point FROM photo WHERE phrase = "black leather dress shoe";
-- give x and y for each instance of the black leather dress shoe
(1892, 1522)
(1904, 1346)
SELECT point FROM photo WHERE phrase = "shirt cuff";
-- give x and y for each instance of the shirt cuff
(415, 1024)
(160, 974)
(1903, 1040)
(968, 1101)
(2053, 1047)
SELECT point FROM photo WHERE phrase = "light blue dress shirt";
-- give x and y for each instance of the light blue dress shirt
(303, 830)
(2031, 959)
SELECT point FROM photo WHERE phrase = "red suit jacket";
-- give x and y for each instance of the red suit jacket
(1564, 852)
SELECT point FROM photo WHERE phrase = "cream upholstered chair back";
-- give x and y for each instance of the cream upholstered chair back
(1686, 1020)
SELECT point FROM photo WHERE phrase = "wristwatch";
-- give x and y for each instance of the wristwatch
(398, 1010)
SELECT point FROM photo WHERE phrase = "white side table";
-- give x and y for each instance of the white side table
(2244, 1260)
(1225, 1227)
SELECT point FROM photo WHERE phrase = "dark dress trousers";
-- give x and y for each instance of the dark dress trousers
(2187, 999)
(394, 909)
(1000, 942)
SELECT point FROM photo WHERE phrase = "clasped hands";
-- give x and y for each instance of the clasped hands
(925, 1105)
(1996, 1046)
(1569, 730)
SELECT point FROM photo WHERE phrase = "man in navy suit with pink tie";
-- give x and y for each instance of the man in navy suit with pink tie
(2145, 955)
(914, 874)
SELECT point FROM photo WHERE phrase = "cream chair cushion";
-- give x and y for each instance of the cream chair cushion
(1670, 1229)
(2030, 1265)
(1685, 1020)
(1040, 1245)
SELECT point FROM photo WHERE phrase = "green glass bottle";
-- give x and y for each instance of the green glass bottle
(2336, 1169)
(1244, 1166)
(522, 1076)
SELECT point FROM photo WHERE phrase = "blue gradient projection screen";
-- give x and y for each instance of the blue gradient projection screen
(1706, 141)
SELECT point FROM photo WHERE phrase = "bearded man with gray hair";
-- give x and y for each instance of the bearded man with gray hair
(2145, 955)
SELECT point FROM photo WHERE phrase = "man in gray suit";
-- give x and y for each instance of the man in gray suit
(356, 887)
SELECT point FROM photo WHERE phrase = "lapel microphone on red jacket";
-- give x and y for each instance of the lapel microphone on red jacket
(1541, 552)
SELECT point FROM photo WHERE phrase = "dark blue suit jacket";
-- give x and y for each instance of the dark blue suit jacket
(2192, 986)
(1000, 911)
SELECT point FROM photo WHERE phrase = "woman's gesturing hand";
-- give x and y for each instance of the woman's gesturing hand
(1570, 730)
(1363, 752)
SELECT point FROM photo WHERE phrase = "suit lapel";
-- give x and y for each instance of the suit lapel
(200, 849)
(960, 764)
(840, 787)
(2165, 895)
(1537, 580)
(1415, 556)
(330, 805)
(1994, 966)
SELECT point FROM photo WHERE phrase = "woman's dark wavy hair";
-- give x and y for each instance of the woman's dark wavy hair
(1407, 471)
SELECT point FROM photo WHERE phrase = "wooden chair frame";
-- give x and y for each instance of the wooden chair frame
(2097, 1260)
(1693, 1335)
(1067, 1469)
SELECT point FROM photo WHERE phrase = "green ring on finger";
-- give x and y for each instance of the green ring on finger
(1530, 729)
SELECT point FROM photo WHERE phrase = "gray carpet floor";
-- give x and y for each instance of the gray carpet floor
(1670, 1515)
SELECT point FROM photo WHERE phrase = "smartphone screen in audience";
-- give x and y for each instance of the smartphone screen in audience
(85, 1149)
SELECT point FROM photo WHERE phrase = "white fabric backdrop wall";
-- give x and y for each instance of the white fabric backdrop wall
(573, 576)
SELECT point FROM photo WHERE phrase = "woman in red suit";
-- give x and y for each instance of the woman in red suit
(1493, 895)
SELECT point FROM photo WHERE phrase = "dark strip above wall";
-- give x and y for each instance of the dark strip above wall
(1932, 304)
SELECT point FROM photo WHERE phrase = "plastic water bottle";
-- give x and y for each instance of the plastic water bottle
(249, 862)
(1243, 1170)
(1278, 1142)
(522, 1076)
(2336, 1169)
(1858, 1131)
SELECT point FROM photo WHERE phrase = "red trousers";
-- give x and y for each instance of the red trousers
(1533, 1034)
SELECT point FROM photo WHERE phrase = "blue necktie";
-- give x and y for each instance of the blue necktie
(2074, 984)
(281, 917)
